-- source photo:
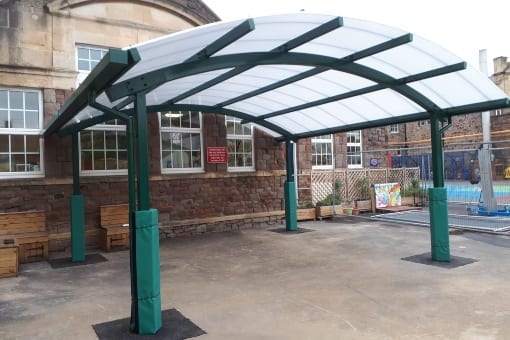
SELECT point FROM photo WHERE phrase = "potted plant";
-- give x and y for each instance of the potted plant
(364, 202)
(347, 208)
(413, 193)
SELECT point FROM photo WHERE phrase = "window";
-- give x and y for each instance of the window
(87, 57)
(104, 148)
(181, 141)
(322, 152)
(240, 144)
(394, 128)
(423, 122)
(20, 127)
(354, 149)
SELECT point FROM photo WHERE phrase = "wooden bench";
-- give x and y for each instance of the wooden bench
(114, 223)
(28, 229)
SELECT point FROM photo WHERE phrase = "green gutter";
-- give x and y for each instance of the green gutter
(408, 118)
(113, 65)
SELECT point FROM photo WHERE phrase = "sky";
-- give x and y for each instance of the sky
(463, 27)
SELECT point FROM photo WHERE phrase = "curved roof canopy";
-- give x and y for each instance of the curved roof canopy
(297, 75)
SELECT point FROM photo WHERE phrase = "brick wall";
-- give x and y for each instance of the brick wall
(216, 192)
(176, 198)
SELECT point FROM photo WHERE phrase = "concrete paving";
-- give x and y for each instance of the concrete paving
(345, 280)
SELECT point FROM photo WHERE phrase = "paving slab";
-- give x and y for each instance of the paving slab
(345, 279)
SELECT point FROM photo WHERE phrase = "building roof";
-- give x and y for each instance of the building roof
(295, 75)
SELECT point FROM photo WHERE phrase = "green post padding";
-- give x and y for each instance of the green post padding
(290, 206)
(77, 228)
(147, 271)
(439, 237)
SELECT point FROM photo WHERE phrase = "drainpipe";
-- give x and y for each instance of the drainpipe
(484, 153)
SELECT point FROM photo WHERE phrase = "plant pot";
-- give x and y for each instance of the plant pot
(355, 211)
(411, 201)
(327, 211)
(347, 211)
(304, 214)
(363, 205)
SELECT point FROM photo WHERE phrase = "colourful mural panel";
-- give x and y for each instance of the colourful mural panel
(387, 195)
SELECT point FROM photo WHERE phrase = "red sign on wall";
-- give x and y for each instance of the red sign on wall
(217, 154)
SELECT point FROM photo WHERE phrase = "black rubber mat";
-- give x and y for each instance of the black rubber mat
(292, 232)
(455, 261)
(67, 262)
(174, 326)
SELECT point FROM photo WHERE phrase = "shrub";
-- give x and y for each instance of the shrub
(334, 198)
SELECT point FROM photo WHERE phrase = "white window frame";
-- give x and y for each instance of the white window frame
(323, 140)
(394, 128)
(243, 137)
(27, 132)
(423, 122)
(82, 74)
(356, 145)
(102, 172)
(166, 129)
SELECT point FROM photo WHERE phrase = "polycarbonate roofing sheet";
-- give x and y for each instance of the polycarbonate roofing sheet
(296, 74)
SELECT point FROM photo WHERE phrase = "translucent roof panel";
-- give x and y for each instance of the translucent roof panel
(171, 89)
(177, 47)
(298, 74)
(354, 36)
(401, 61)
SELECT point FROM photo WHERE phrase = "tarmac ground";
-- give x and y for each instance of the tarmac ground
(344, 279)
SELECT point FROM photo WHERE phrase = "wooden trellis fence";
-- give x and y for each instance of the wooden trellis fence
(323, 181)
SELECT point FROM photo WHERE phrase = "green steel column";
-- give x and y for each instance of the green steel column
(142, 151)
(290, 189)
(148, 272)
(439, 237)
(145, 241)
(77, 204)
(130, 131)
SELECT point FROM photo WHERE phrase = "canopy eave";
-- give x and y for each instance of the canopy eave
(113, 65)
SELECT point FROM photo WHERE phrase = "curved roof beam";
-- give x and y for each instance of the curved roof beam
(387, 45)
(286, 135)
(212, 109)
(402, 81)
(155, 78)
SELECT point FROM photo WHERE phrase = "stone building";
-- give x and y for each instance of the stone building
(47, 49)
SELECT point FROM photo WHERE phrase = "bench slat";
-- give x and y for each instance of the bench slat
(112, 218)
(22, 222)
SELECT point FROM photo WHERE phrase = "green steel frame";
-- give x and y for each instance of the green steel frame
(290, 189)
(77, 203)
(144, 253)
